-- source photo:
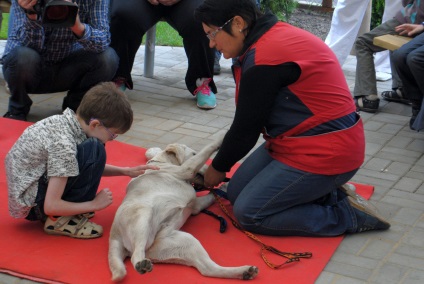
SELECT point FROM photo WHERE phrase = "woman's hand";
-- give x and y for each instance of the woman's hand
(213, 177)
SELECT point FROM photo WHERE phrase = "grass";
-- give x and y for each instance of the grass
(165, 34)
(4, 25)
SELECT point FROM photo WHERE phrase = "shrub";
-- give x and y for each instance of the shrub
(377, 13)
(281, 8)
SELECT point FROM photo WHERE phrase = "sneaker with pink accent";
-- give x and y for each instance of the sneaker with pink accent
(120, 83)
(205, 97)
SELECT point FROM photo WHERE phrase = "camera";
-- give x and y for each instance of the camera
(56, 13)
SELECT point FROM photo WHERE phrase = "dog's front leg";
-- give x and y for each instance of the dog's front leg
(192, 166)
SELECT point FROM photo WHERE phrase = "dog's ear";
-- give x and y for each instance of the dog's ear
(177, 151)
(151, 152)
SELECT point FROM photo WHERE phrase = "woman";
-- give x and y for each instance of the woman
(290, 87)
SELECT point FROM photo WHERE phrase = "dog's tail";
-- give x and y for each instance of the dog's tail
(116, 259)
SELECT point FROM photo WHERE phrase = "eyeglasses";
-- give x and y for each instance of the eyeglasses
(212, 35)
(112, 135)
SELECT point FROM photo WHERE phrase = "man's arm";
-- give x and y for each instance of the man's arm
(95, 35)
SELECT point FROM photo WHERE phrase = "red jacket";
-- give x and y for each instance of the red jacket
(322, 89)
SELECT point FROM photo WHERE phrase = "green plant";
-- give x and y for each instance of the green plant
(4, 25)
(167, 36)
(283, 9)
(377, 13)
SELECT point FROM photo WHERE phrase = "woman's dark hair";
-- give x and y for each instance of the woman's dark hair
(217, 12)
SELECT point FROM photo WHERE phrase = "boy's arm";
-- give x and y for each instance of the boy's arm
(54, 205)
(127, 171)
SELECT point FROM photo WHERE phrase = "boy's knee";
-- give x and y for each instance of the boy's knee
(92, 150)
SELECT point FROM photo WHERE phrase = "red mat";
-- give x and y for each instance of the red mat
(26, 251)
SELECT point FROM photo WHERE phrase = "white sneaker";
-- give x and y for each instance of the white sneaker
(383, 76)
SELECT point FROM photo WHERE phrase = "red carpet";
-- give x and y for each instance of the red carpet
(26, 251)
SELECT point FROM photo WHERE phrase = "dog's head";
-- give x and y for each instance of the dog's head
(175, 154)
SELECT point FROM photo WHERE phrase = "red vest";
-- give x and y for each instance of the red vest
(323, 89)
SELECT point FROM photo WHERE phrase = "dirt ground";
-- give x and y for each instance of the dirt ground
(316, 22)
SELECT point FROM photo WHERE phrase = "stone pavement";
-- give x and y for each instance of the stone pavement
(165, 112)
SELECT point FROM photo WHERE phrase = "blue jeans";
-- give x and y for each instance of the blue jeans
(25, 72)
(408, 61)
(91, 158)
(272, 198)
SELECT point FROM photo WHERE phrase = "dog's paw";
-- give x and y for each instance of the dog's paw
(144, 266)
(151, 152)
(250, 273)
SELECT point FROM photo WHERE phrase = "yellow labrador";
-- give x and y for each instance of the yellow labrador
(156, 205)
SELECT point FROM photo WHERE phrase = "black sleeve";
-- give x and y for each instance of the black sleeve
(259, 87)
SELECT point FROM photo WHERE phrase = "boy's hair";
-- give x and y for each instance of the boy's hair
(109, 104)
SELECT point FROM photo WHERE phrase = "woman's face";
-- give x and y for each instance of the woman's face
(229, 45)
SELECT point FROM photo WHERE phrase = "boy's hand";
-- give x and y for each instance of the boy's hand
(103, 199)
(139, 170)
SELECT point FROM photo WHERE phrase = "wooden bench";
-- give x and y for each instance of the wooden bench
(391, 42)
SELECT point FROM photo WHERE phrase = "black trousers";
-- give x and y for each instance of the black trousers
(131, 19)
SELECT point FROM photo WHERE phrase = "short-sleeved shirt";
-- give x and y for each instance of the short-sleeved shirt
(48, 146)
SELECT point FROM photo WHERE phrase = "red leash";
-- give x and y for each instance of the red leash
(291, 256)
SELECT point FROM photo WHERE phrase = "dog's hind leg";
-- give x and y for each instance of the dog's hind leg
(143, 233)
(182, 248)
(116, 259)
(202, 202)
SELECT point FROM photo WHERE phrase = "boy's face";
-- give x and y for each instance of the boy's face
(98, 130)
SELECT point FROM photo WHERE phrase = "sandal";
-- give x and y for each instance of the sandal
(364, 104)
(72, 226)
(87, 215)
(395, 96)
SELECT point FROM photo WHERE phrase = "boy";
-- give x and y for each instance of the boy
(54, 169)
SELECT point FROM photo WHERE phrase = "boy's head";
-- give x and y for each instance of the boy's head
(107, 104)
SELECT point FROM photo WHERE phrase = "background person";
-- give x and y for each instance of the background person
(39, 59)
(131, 19)
(408, 61)
(365, 90)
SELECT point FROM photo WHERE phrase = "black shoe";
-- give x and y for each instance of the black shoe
(364, 104)
(368, 218)
(15, 116)
(416, 107)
